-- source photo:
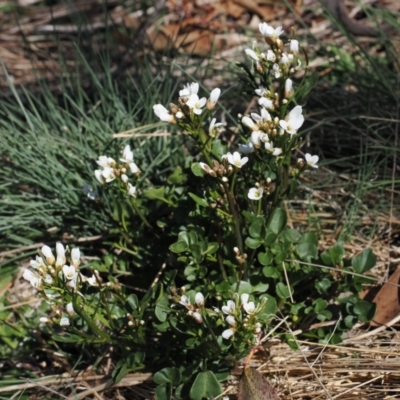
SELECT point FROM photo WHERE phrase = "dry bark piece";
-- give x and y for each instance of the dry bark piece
(253, 386)
(387, 301)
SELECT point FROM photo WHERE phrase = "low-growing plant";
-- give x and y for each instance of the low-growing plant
(231, 265)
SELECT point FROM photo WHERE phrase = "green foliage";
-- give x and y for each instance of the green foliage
(200, 260)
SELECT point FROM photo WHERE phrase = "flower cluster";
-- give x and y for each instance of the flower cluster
(48, 273)
(194, 310)
(112, 170)
(235, 318)
(190, 106)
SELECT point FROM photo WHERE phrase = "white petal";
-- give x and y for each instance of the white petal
(244, 298)
(228, 333)
(64, 321)
(214, 95)
(199, 299)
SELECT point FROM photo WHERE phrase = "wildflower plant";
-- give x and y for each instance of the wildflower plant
(233, 264)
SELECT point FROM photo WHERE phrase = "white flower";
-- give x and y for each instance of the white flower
(98, 173)
(294, 46)
(276, 151)
(288, 88)
(44, 320)
(246, 148)
(108, 174)
(105, 161)
(162, 113)
(64, 321)
(214, 95)
(34, 279)
(48, 279)
(127, 154)
(189, 89)
(312, 160)
(236, 159)
(271, 56)
(276, 71)
(92, 281)
(46, 251)
(75, 257)
(230, 307)
(134, 168)
(264, 117)
(196, 104)
(131, 190)
(179, 115)
(197, 316)
(37, 263)
(260, 91)
(69, 271)
(124, 178)
(70, 309)
(199, 299)
(284, 60)
(249, 307)
(60, 251)
(226, 334)
(213, 129)
(249, 123)
(256, 138)
(268, 31)
(251, 53)
(266, 103)
(255, 193)
(184, 301)
(293, 121)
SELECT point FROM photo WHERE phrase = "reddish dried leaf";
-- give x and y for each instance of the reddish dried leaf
(253, 386)
(387, 301)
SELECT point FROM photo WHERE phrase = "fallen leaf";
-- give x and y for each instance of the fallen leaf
(387, 301)
(253, 386)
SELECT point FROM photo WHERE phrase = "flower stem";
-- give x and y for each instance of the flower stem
(141, 216)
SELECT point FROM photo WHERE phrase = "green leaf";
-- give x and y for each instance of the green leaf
(364, 310)
(270, 237)
(323, 285)
(364, 261)
(307, 251)
(336, 253)
(244, 287)
(177, 177)
(278, 221)
(163, 391)
(168, 375)
(155, 193)
(178, 247)
(211, 248)
(320, 305)
(271, 272)
(269, 308)
(291, 235)
(133, 301)
(252, 243)
(197, 170)
(162, 309)
(282, 290)
(120, 372)
(265, 258)
(218, 149)
(201, 202)
(205, 386)
(256, 227)
(71, 338)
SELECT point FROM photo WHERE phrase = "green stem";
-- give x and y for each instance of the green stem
(141, 216)
(235, 217)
